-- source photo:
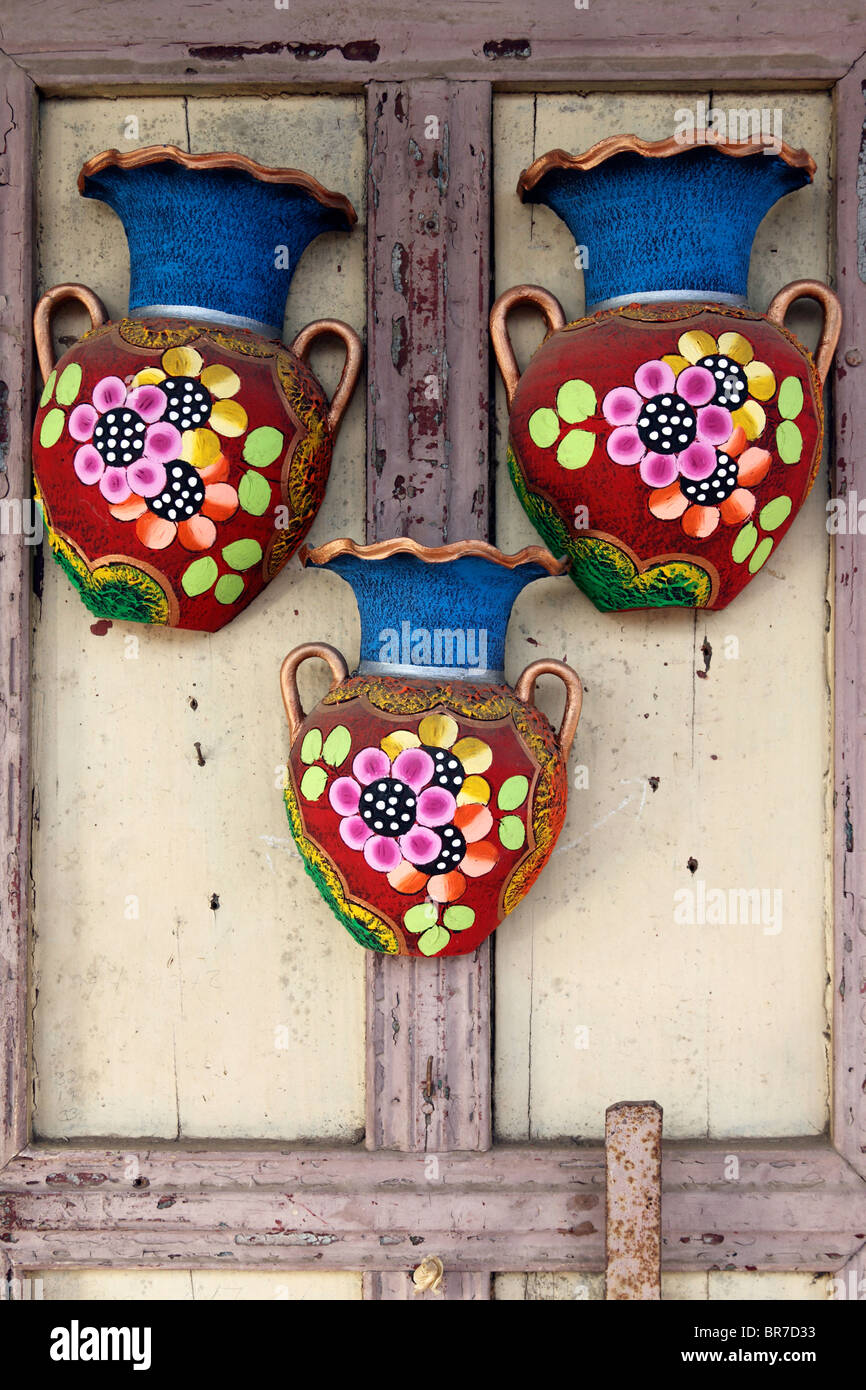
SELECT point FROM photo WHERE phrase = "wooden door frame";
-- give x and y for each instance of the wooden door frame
(482, 1209)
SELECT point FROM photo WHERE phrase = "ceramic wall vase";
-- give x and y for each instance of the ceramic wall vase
(182, 452)
(666, 441)
(425, 795)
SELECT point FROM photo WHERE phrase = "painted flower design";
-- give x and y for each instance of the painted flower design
(723, 496)
(198, 400)
(416, 807)
(740, 381)
(669, 425)
(188, 506)
(124, 439)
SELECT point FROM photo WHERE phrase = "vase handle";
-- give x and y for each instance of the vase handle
(289, 685)
(44, 312)
(832, 325)
(352, 366)
(525, 691)
(552, 312)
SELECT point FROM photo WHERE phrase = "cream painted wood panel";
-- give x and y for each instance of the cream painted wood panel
(547, 1288)
(600, 994)
(217, 1285)
(187, 978)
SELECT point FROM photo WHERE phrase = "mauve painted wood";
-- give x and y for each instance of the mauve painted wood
(428, 1021)
(633, 1201)
(16, 412)
(849, 1020)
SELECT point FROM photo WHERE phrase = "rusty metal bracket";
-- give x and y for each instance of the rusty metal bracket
(633, 1154)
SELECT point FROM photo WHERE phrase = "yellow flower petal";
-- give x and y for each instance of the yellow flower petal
(228, 418)
(736, 346)
(475, 791)
(696, 344)
(182, 361)
(752, 418)
(676, 363)
(437, 730)
(148, 376)
(474, 754)
(220, 381)
(392, 744)
(199, 447)
(762, 383)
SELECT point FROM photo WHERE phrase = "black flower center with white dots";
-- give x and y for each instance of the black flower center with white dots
(451, 853)
(447, 769)
(667, 424)
(119, 437)
(182, 495)
(189, 403)
(388, 807)
(709, 492)
(732, 384)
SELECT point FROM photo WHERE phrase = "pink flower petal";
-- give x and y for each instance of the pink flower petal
(382, 854)
(420, 845)
(146, 478)
(114, 486)
(696, 385)
(354, 832)
(371, 763)
(414, 767)
(88, 464)
(344, 796)
(109, 393)
(653, 377)
(82, 422)
(657, 470)
(697, 461)
(625, 446)
(435, 806)
(148, 402)
(714, 424)
(161, 442)
(621, 406)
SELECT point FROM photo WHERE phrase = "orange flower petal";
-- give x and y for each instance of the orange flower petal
(447, 888)
(700, 522)
(754, 467)
(479, 859)
(738, 506)
(220, 501)
(155, 531)
(406, 878)
(130, 510)
(473, 822)
(215, 472)
(667, 503)
(736, 444)
(196, 534)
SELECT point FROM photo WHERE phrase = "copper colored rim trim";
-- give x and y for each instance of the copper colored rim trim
(158, 154)
(652, 149)
(433, 555)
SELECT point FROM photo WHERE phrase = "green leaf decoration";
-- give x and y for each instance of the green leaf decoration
(761, 554)
(544, 427)
(433, 941)
(790, 397)
(229, 588)
(458, 918)
(576, 401)
(69, 384)
(254, 493)
(512, 832)
(337, 745)
(775, 513)
(200, 576)
(789, 442)
(242, 555)
(47, 389)
(745, 543)
(313, 783)
(421, 917)
(576, 449)
(52, 428)
(512, 793)
(263, 446)
(311, 747)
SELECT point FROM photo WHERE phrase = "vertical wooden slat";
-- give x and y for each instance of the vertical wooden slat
(849, 380)
(633, 1163)
(428, 1022)
(17, 132)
